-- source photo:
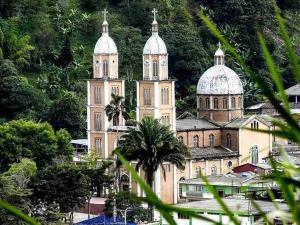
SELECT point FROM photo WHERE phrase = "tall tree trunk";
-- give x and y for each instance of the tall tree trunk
(150, 179)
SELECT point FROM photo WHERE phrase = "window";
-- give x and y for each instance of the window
(98, 145)
(155, 69)
(97, 67)
(216, 103)
(254, 154)
(180, 139)
(225, 103)
(105, 68)
(198, 172)
(97, 95)
(213, 170)
(183, 217)
(207, 105)
(196, 141)
(228, 140)
(233, 106)
(165, 120)
(200, 103)
(198, 187)
(229, 164)
(165, 96)
(211, 140)
(147, 97)
(240, 102)
(255, 125)
(115, 90)
(116, 121)
(167, 167)
(97, 121)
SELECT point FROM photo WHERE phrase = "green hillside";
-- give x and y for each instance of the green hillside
(47, 46)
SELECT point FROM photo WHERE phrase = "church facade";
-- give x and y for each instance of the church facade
(220, 137)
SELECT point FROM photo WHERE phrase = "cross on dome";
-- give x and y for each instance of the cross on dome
(104, 12)
(154, 11)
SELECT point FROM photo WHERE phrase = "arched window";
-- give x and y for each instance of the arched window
(97, 121)
(233, 105)
(105, 68)
(198, 172)
(254, 154)
(207, 105)
(200, 103)
(240, 102)
(216, 103)
(155, 69)
(165, 96)
(196, 141)
(180, 139)
(228, 140)
(98, 146)
(225, 103)
(211, 140)
(124, 182)
(97, 68)
(116, 121)
(213, 170)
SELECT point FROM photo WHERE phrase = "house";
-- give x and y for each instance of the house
(261, 168)
(242, 208)
(226, 185)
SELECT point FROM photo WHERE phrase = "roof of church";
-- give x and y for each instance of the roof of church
(240, 122)
(236, 123)
(294, 90)
(188, 121)
(212, 153)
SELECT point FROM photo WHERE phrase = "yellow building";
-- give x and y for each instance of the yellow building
(220, 137)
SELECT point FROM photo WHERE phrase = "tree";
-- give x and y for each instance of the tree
(126, 201)
(115, 109)
(7, 68)
(14, 189)
(64, 185)
(152, 144)
(18, 98)
(66, 112)
(36, 141)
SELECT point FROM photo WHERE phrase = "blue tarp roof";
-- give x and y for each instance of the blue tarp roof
(104, 220)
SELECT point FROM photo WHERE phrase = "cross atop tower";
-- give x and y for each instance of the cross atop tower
(104, 12)
(154, 11)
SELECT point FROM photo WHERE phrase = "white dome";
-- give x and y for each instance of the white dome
(219, 80)
(155, 45)
(105, 45)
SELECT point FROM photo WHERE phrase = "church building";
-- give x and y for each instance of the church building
(219, 137)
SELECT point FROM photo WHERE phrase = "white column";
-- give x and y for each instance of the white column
(157, 183)
(137, 101)
(156, 100)
(159, 68)
(138, 186)
(106, 102)
(100, 67)
(175, 190)
(88, 115)
(206, 168)
(105, 144)
(173, 106)
(109, 67)
(222, 166)
(190, 169)
(150, 68)
(240, 145)
(123, 94)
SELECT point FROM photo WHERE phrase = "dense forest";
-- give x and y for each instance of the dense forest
(46, 49)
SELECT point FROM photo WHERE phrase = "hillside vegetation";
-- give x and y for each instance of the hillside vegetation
(46, 49)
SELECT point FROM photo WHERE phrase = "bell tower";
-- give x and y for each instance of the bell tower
(156, 98)
(105, 82)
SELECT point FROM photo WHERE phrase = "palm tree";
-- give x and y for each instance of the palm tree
(152, 144)
(115, 108)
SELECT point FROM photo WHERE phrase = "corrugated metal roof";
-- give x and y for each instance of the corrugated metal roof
(194, 124)
(294, 90)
